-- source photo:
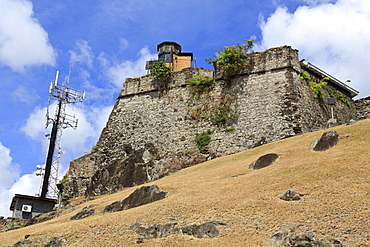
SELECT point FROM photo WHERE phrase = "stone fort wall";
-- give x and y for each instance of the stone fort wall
(151, 133)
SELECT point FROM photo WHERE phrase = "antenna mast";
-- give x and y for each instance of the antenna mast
(64, 95)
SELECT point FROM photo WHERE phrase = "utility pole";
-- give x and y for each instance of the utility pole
(64, 95)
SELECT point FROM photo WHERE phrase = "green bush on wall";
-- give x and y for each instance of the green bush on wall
(316, 87)
(161, 72)
(200, 84)
(232, 58)
(203, 139)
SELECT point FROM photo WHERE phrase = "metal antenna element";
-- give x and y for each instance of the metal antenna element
(64, 95)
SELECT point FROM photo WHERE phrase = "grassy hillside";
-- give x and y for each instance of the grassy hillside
(336, 201)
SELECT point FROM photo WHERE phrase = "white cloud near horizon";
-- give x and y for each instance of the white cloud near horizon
(23, 42)
(334, 37)
(9, 173)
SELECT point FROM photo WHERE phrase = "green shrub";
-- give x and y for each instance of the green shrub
(94, 149)
(64, 180)
(342, 98)
(200, 84)
(217, 110)
(231, 58)
(229, 129)
(316, 87)
(330, 91)
(203, 139)
(223, 109)
(161, 72)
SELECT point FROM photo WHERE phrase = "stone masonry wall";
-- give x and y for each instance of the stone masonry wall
(149, 136)
(79, 175)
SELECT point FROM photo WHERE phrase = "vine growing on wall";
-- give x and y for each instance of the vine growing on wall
(231, 59)
(223, 109)
(316, 87)
(162, 74)
(341, 97)
(218, 109)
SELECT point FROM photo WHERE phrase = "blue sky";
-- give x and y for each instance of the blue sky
(108, 41)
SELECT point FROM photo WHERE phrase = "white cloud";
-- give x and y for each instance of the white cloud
(82, 54)
(23, 42)
(28, 184)
(9, 172)
(315, 2)
(25, 95)
(34, 127)
(123, 44)
(335, 37)
(117, 72)
(76, 142)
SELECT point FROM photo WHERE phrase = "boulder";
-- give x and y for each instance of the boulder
(85, 212)
(264, 161)
(301, 236)
(327, 140)
(157, 230)
(141, 196)
(290, 195)
(23, 243)
(205, 230)
(56, 242)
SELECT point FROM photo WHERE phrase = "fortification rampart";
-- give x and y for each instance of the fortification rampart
(149, 135)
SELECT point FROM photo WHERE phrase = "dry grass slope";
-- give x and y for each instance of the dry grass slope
(336, 201)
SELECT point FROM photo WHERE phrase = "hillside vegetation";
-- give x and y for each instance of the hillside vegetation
(335, 185)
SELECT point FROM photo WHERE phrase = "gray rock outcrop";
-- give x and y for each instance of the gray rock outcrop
(205, 230)
(264, 161)
(327, 140)
(141, 196)
(301, 236)
(85, 212)
(156, 230)
(290, 195)
(56, 242)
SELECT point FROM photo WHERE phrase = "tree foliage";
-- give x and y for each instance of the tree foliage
(232, 58)
(200, 84)
(161, 72)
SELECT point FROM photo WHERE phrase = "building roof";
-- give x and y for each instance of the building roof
(34, 198)
(169, 43)
(309, 66)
